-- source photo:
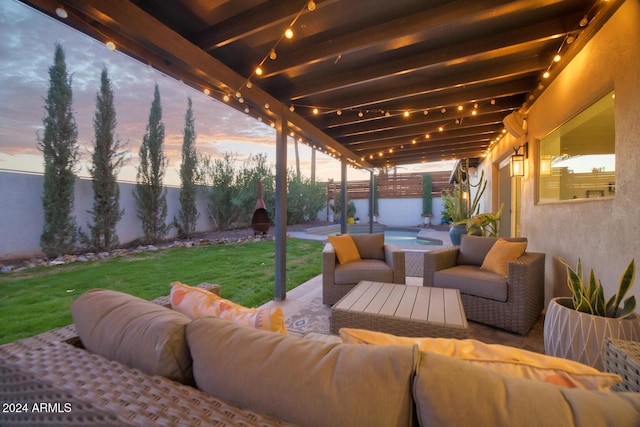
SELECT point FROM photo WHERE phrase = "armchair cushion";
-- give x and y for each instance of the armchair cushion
(473, 280)
(370, 246)
(345, 247)
(474, 249)
(500, 254)
(365, 269)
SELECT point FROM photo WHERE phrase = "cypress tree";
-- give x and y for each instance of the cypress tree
(59, 146)
(188, 215)
(150, 194)
(107, 159)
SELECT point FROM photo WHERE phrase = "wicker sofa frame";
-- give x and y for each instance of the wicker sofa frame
(75, 387)
(525, 291)
(333, 292)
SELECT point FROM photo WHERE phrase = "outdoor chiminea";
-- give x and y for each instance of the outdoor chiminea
(260, 221)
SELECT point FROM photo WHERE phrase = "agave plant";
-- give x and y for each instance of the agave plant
(590, 299)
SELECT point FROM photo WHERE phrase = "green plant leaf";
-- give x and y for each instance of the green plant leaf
(629, 307)
(625, 284)
(599, 308)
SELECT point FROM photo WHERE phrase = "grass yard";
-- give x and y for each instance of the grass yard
(37, 300)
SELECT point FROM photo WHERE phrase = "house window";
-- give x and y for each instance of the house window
(578, 160)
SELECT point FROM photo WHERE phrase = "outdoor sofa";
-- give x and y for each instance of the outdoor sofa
(251, 377)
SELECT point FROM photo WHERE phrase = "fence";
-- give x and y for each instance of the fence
(394, 186)
(22, 217)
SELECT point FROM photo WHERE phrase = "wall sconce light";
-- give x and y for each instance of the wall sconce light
(517, 160)
(545, 165)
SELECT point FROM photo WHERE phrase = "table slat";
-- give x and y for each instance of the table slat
(453, 311)
(405, 308)
(390, 307)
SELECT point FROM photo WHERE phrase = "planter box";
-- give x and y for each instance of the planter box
(580, 336)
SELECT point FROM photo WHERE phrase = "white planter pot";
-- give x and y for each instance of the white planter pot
(580, 336)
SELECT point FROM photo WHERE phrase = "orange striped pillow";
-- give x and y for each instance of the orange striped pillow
(195, 302)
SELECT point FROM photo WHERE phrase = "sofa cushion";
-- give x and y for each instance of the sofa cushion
(452, 392)
(506, 360)
(345, 247)
(472, 280)
(500, 254)
(135, 332)
(195, 302)
(365, 269)
(306, 382)
(473, 249)
(370, 246)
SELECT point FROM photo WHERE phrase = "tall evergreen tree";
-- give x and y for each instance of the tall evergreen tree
(188, 214)
(150, 194)
(108, 157)
(59, 146)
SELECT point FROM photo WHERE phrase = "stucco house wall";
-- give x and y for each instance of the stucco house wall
(604, 233)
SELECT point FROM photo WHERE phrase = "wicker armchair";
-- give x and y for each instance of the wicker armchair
(521, 304)
(339, 279)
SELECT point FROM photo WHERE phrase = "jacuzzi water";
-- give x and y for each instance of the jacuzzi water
(396, 237)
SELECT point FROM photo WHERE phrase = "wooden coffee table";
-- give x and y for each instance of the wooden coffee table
(410, 311)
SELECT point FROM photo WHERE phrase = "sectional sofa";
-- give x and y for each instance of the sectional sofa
(130, 362)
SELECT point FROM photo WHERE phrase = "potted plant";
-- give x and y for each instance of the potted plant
(486, 224)
(575, 328)
(458, 203)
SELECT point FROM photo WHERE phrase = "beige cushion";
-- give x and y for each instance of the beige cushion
(473, 280)
(452, 392)
(135, 332)
(506, 360)
(370, 246)
(345, 248)
(473, 249)
(307, 382)
(500, 254)
(195, 302)
(365, 269)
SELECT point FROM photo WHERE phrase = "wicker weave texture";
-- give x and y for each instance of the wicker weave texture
(623, 358)
(394, 325)
(525, 291)
(134, 398)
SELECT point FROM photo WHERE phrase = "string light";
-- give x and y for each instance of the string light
(110, 45)
(288, 33)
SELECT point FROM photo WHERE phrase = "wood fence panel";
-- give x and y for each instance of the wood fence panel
(408, 185)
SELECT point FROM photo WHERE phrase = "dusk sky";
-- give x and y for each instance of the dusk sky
(27, 44)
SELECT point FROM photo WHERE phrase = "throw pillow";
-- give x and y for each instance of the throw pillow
(345, 248)
(304, 382)
(450, 392)
(135, 332)
(500, 254)
(195, 302)
(506, 360)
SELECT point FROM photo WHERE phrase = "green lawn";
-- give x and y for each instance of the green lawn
(37, 300)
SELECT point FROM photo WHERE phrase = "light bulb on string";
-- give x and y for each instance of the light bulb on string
(288, 33)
